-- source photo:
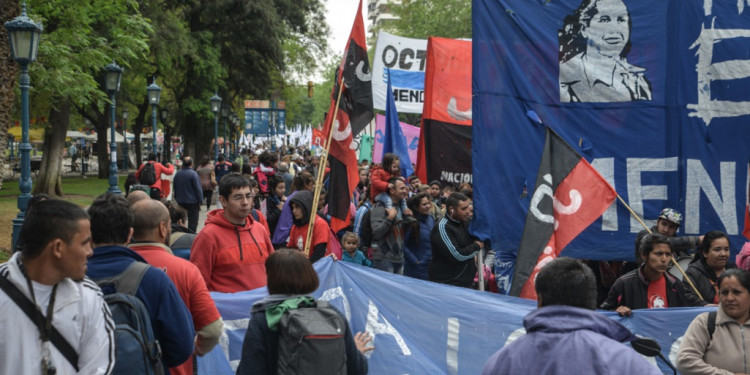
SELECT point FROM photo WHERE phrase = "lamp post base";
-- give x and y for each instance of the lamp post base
(17, 224)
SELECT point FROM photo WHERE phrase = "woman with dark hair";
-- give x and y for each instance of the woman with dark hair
(417, 245)
(266, 168)
(291, 280)
(709, 262)
(715, 342)
(275, 201)
(594, 43)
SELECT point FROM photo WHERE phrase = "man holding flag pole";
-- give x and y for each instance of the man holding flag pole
(349, 113)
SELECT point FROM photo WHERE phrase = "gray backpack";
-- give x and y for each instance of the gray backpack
(311, 341)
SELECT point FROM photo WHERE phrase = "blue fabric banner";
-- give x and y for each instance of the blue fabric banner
(395, 141)
(420, 327)
(655, 94)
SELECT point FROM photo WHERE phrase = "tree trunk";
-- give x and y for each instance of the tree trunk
(9, 9)
(102, 145)
(50, 172)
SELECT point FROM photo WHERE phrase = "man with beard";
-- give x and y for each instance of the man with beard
(453, 248)
(151, 231)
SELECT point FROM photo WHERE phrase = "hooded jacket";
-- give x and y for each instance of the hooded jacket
(298, 233)
(569, 340)
(231, 258)
(378, 181)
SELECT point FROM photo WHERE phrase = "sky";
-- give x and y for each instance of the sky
(340, 17)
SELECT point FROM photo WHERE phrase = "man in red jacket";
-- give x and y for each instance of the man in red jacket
(159, 168)
(231, 250)
(151, 231)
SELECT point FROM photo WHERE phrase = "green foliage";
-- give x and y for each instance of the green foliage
(81, 37)
(424, 18)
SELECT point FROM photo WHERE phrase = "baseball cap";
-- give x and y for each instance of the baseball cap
(671, 215)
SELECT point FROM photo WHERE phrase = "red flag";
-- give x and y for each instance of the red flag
(444, 151)
(317, 137)
(354, 113)
(570, 194)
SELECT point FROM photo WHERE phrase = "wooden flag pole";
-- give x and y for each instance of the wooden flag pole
(321, 172)
(684, 275)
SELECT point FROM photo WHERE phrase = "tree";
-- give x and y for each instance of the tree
(9, 9)
(79, 39)
(425, 18)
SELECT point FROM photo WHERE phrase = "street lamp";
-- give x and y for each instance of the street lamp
(215, 106)
(24, 43)
(224, 116)
(112, 78)
(236, 123)
(154, 92)
(126, 162)
(164, 113)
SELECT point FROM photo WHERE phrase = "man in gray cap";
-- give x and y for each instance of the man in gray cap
(668, 223)
(296, 166)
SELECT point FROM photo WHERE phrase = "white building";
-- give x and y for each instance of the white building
(379, 11)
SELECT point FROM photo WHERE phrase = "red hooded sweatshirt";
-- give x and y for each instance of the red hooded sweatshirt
(231, 258)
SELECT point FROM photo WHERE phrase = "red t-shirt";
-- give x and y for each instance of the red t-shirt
(298, 235)
(190, 285)
(657, 294)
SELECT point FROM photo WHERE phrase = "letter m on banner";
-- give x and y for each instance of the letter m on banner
(569, 195)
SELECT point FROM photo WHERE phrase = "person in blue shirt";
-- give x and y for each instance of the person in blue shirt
(111, 230)
(351, 253)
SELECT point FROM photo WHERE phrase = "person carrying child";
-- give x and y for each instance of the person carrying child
(379, 185)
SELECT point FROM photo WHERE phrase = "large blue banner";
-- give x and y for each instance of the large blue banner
(655, 94)
(420, 327)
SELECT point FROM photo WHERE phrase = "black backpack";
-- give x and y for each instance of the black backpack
(148, 174)
(311, 341)
(365, 227)
(137, 350)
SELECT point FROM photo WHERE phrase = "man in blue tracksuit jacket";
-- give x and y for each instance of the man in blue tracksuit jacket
(111, 228)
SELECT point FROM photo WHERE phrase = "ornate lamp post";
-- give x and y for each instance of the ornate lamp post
(24, 43)
(126, 162)
(215, 106)
(224, 116)
(154, 92)
(112, 78)
(165, 153)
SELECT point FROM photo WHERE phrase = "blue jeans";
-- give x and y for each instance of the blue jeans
(384, 265)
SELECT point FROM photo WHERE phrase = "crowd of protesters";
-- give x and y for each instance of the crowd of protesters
(258, 232)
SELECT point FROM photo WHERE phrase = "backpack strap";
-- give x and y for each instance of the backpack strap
(32, 311)
(174, 237)
(711, 325)
(129, 280)
(254, 214)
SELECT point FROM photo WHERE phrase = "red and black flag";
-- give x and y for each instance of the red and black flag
(353, 115)
(444, 151)
(569, 195)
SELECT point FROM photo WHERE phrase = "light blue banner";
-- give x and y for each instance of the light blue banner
(420, 327)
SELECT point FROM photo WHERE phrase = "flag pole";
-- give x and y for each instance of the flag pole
(684, 275)
(321, 171)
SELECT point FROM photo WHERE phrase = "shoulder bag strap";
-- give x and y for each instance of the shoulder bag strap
(36, 316)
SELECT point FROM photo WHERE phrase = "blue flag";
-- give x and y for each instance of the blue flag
(395, 141)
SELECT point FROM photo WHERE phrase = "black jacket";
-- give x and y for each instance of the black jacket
(704, 278)
(631, 290)
(678, 244)
(453, 251)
